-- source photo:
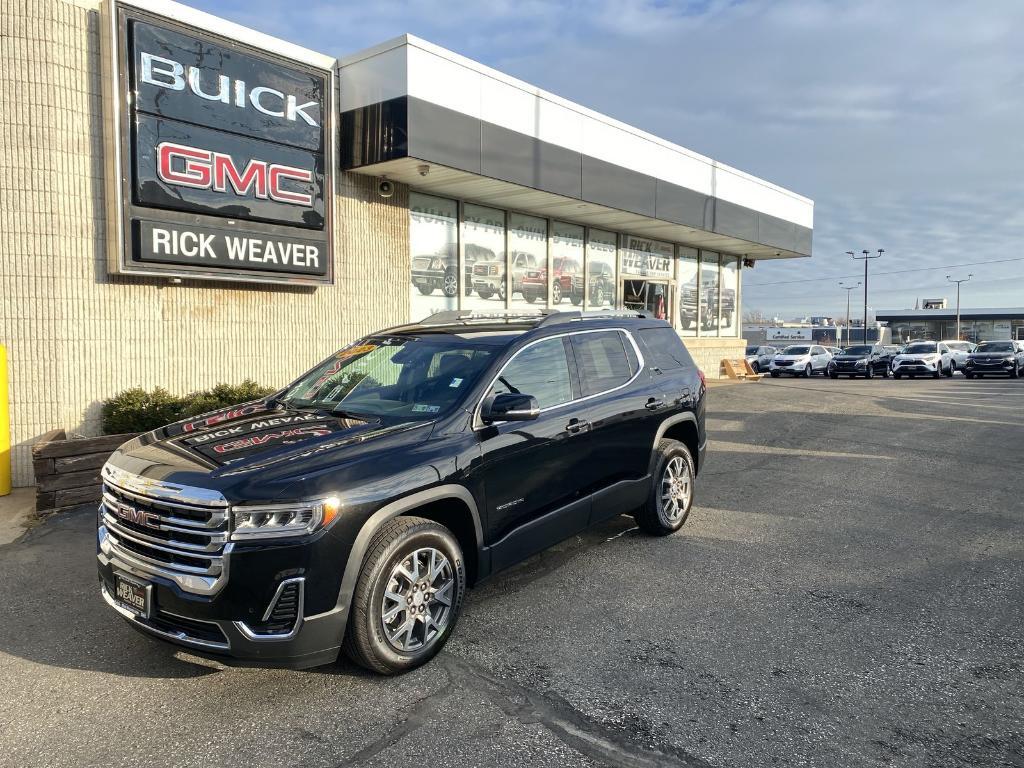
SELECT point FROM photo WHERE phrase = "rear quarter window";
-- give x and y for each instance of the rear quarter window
(602, 361)
(665, 349)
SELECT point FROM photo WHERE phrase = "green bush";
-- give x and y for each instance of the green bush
(136, 410)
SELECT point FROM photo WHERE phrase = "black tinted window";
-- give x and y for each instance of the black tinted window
(541, 370)
(666, 350)
(601, 360)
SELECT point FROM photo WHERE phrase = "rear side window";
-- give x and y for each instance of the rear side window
(602, 361)
(666, 350)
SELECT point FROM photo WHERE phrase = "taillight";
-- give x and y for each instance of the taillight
(703, 378)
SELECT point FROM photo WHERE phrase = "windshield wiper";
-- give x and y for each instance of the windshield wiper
(347, 414)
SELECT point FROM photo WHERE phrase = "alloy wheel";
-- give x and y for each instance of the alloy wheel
(417, 601)
(451, 285)
(676, 487)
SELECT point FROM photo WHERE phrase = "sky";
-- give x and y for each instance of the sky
(901, 120)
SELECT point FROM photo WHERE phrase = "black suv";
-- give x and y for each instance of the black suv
(996, 357)
(352, 509)
(865, 360)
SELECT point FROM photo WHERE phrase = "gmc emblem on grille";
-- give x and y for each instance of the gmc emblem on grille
(132, 514)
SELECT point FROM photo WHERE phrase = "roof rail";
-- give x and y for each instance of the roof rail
(544, 316)
(598, 314)
(462, 316)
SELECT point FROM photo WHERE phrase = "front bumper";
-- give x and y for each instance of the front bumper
(226, 624)
(914, 366)
(1002, 366)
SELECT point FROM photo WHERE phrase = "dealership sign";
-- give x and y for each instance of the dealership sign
(221, 159)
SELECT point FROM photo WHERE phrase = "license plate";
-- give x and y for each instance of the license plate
(421, 280)
(132, 595)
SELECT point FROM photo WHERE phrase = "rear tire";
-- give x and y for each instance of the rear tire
(414, 546)
(833, 375)
(672, 488)
(869, 372)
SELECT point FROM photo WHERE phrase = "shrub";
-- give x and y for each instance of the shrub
(136, 410)
(221, 396)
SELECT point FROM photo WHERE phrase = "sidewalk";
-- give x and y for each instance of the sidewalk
(16, 510)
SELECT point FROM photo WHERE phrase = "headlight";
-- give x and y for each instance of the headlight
(861, 363)
(1008, 359)
(271, 521)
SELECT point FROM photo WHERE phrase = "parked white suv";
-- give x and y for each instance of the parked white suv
(801, 360)
(925, 358)
(959, 350)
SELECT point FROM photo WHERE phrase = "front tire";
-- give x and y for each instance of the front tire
(774, 374)
(671, 497)
(408, 596)
(808, 371)
(556, 293)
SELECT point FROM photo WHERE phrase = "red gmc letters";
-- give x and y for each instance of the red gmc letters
(186, 166)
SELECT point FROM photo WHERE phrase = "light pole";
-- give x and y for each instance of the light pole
(865, 258)
(848, 288)
(963, 280)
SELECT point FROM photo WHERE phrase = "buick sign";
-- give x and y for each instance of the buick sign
(222, 161)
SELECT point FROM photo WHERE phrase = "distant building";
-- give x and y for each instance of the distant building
(989, 324)
(784, 334)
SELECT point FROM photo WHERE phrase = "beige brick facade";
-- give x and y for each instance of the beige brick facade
(76, 335)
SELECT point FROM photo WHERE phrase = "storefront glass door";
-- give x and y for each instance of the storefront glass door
(652, 297)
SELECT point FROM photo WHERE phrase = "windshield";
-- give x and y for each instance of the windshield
(995, 346)
(751, 350)
(796, 351)
(959, 346)
(857, 351)
(919, 349)
(402, 378)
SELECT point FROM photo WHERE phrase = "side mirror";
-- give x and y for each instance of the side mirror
(509, 407)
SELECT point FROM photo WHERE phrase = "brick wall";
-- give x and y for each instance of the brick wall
(75, 334)
(708, 353)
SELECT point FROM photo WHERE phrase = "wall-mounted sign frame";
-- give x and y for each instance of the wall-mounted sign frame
(221, 149)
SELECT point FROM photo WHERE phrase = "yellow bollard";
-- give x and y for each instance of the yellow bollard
(5, 428)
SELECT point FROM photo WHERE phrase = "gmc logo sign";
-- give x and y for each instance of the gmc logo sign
(185, 166)
(137, 516)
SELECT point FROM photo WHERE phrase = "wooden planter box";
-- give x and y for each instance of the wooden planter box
(68, 471)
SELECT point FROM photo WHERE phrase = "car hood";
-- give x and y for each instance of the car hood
(922, 357)
(990, 355)
(790, 358)
(850, 358)
(255, 450)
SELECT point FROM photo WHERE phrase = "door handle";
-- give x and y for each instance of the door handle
(577, 426)
(654, 404)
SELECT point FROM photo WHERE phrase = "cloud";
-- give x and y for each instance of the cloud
(901, 120)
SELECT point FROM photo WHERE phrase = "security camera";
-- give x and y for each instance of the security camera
(385, 188)
(423, 169)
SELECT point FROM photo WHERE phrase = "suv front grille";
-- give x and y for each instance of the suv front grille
(170, 535)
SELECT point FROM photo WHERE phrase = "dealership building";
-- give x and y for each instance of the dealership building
(186, 202)
(976, 325)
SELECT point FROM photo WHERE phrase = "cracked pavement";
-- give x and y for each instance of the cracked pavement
(847, 592)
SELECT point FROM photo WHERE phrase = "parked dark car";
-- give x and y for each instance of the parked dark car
(351, 510)
(996, 358)
(867, 360)
(760, 358)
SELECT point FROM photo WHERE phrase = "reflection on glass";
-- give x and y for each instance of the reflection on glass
(528, 252)
(643, 256)
(483, 237)
(600, 270)
(566, 261)
(688, 293)
(730, 290)
(433, 254)
(709, 281)
(648, 296)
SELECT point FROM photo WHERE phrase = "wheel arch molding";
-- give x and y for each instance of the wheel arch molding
(433, 504)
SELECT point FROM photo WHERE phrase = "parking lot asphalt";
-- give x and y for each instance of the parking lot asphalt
(848, 591)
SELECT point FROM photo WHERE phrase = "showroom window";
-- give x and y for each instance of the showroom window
(566, 273)
(528, 259)
(689, 293)
(483, 257)
(601, 269)
(433, 250)
(730, 293)
(710, 277)
(646, 267)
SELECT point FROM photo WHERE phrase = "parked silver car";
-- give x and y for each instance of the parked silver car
(801, 360)
(760, 358)
(959, 350)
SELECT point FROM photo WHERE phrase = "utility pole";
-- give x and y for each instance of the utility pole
(963, 280)
(865, 258)
(848, 288)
